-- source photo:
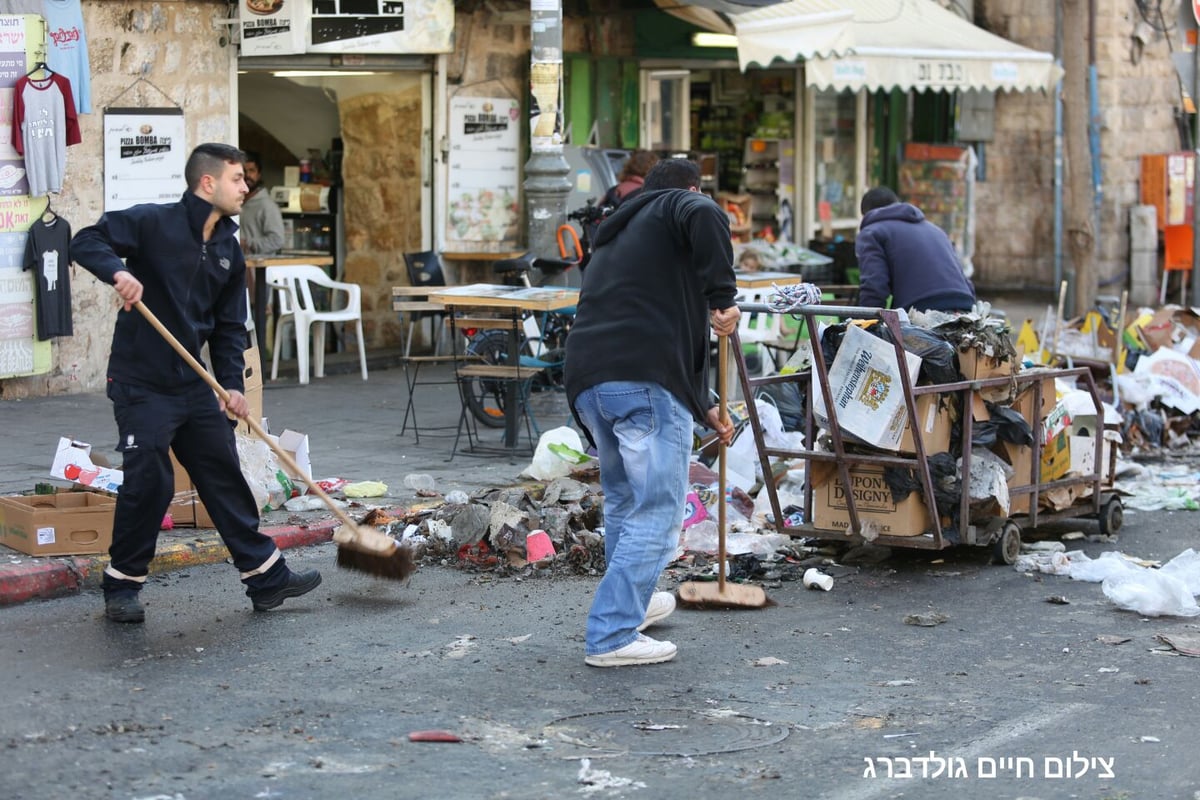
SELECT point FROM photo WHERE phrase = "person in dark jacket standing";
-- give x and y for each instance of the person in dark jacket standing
(904, 255)
(184, 262)
(636, 376)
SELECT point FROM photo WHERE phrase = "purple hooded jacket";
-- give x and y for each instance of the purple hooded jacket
(902, 254)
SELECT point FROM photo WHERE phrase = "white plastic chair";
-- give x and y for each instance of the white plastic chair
(296, 307)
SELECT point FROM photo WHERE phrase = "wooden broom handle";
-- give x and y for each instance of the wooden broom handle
(255, 426)
(722, 414)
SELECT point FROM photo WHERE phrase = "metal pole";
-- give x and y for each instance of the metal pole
(1195, 173)
(546, 183)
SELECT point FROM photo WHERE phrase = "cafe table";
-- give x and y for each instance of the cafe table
(262, 293)
(513, 301)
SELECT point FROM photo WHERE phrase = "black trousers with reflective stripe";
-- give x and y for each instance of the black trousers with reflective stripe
(191, 423)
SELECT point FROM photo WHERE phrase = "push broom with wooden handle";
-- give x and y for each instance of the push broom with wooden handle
(722, 595)
(360, 549)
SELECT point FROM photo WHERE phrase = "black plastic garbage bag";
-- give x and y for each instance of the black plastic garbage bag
(947, 488)
(788, 399)
(1006, 425)
(938, 358)
(939, 363)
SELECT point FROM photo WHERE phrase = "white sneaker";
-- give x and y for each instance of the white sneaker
(642, 650)
(660, 607)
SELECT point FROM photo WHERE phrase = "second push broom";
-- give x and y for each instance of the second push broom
(361, 549)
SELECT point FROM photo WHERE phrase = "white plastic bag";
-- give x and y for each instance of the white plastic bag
(1186, 568)
(546, 464)
(261, 470)
(1095, 570)
(1150, 592)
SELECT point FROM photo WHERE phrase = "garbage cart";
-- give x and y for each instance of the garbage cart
(846, 493)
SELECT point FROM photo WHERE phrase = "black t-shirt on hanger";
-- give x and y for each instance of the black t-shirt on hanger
(47, 253)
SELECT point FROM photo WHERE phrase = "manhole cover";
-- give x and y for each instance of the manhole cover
(667, 731)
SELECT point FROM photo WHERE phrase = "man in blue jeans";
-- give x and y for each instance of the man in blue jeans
(637, 376)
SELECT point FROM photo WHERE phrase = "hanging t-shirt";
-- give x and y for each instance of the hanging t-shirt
(44, 125)
(66, 43)
(47, 254)
(67, 48)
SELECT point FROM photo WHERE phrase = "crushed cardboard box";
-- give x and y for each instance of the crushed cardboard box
(73, 461)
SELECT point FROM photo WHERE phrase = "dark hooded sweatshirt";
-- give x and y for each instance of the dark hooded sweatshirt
(902, 254)
(197, 290)
(662, 261)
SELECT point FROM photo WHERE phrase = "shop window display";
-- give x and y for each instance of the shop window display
(834, 120)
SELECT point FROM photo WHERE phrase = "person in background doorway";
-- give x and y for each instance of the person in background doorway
(183, 260)
(905, 256)
(636, 376)
(261, 221)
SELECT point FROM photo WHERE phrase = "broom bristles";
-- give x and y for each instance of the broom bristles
(708, 595)
(396, 566)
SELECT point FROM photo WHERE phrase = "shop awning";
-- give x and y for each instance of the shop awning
(888, 44)
(711, 15)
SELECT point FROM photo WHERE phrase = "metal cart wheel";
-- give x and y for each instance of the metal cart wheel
(1112, 516)
(1007, 544)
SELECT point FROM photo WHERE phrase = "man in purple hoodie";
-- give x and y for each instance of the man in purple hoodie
(903, 255)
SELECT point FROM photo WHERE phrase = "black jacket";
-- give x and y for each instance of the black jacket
(197, 290)
(902, 254)
(662, 261)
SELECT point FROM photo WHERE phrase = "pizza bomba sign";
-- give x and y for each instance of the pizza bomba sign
(272, 27)
(144, 143)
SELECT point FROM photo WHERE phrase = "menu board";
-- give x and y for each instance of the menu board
(483, 195)
(20, 351)
(144, 156)
(273, 27)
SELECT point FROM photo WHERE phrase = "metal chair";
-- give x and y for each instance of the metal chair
(297, 308)
(424, 272)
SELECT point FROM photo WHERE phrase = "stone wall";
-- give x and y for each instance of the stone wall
(176, 47)
(381, 170)
(1015, 204)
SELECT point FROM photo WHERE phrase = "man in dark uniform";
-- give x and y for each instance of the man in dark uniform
(184, 262)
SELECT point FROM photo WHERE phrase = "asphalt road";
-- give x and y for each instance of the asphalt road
(818, 696)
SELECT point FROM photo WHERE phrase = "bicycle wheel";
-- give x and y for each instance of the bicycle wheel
(486, 397)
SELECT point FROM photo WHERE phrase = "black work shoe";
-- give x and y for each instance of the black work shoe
(124, 608)
(298, 583)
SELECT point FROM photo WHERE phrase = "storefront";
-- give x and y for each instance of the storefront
(338, 99)
(811, 102)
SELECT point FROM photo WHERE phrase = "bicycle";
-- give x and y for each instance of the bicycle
(542, 343)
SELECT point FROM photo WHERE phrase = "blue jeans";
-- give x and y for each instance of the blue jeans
(643, 434)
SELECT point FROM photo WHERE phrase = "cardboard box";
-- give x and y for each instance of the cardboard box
(873, 501)
(973, 365)
(186, 509)
(1024, 401)
(1020, 458)
(865, 382)
(295, 444)
(1056, 456)
(73, 461)
(66, 523)
(933, 421)
(253, 390)
(1175, 327)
